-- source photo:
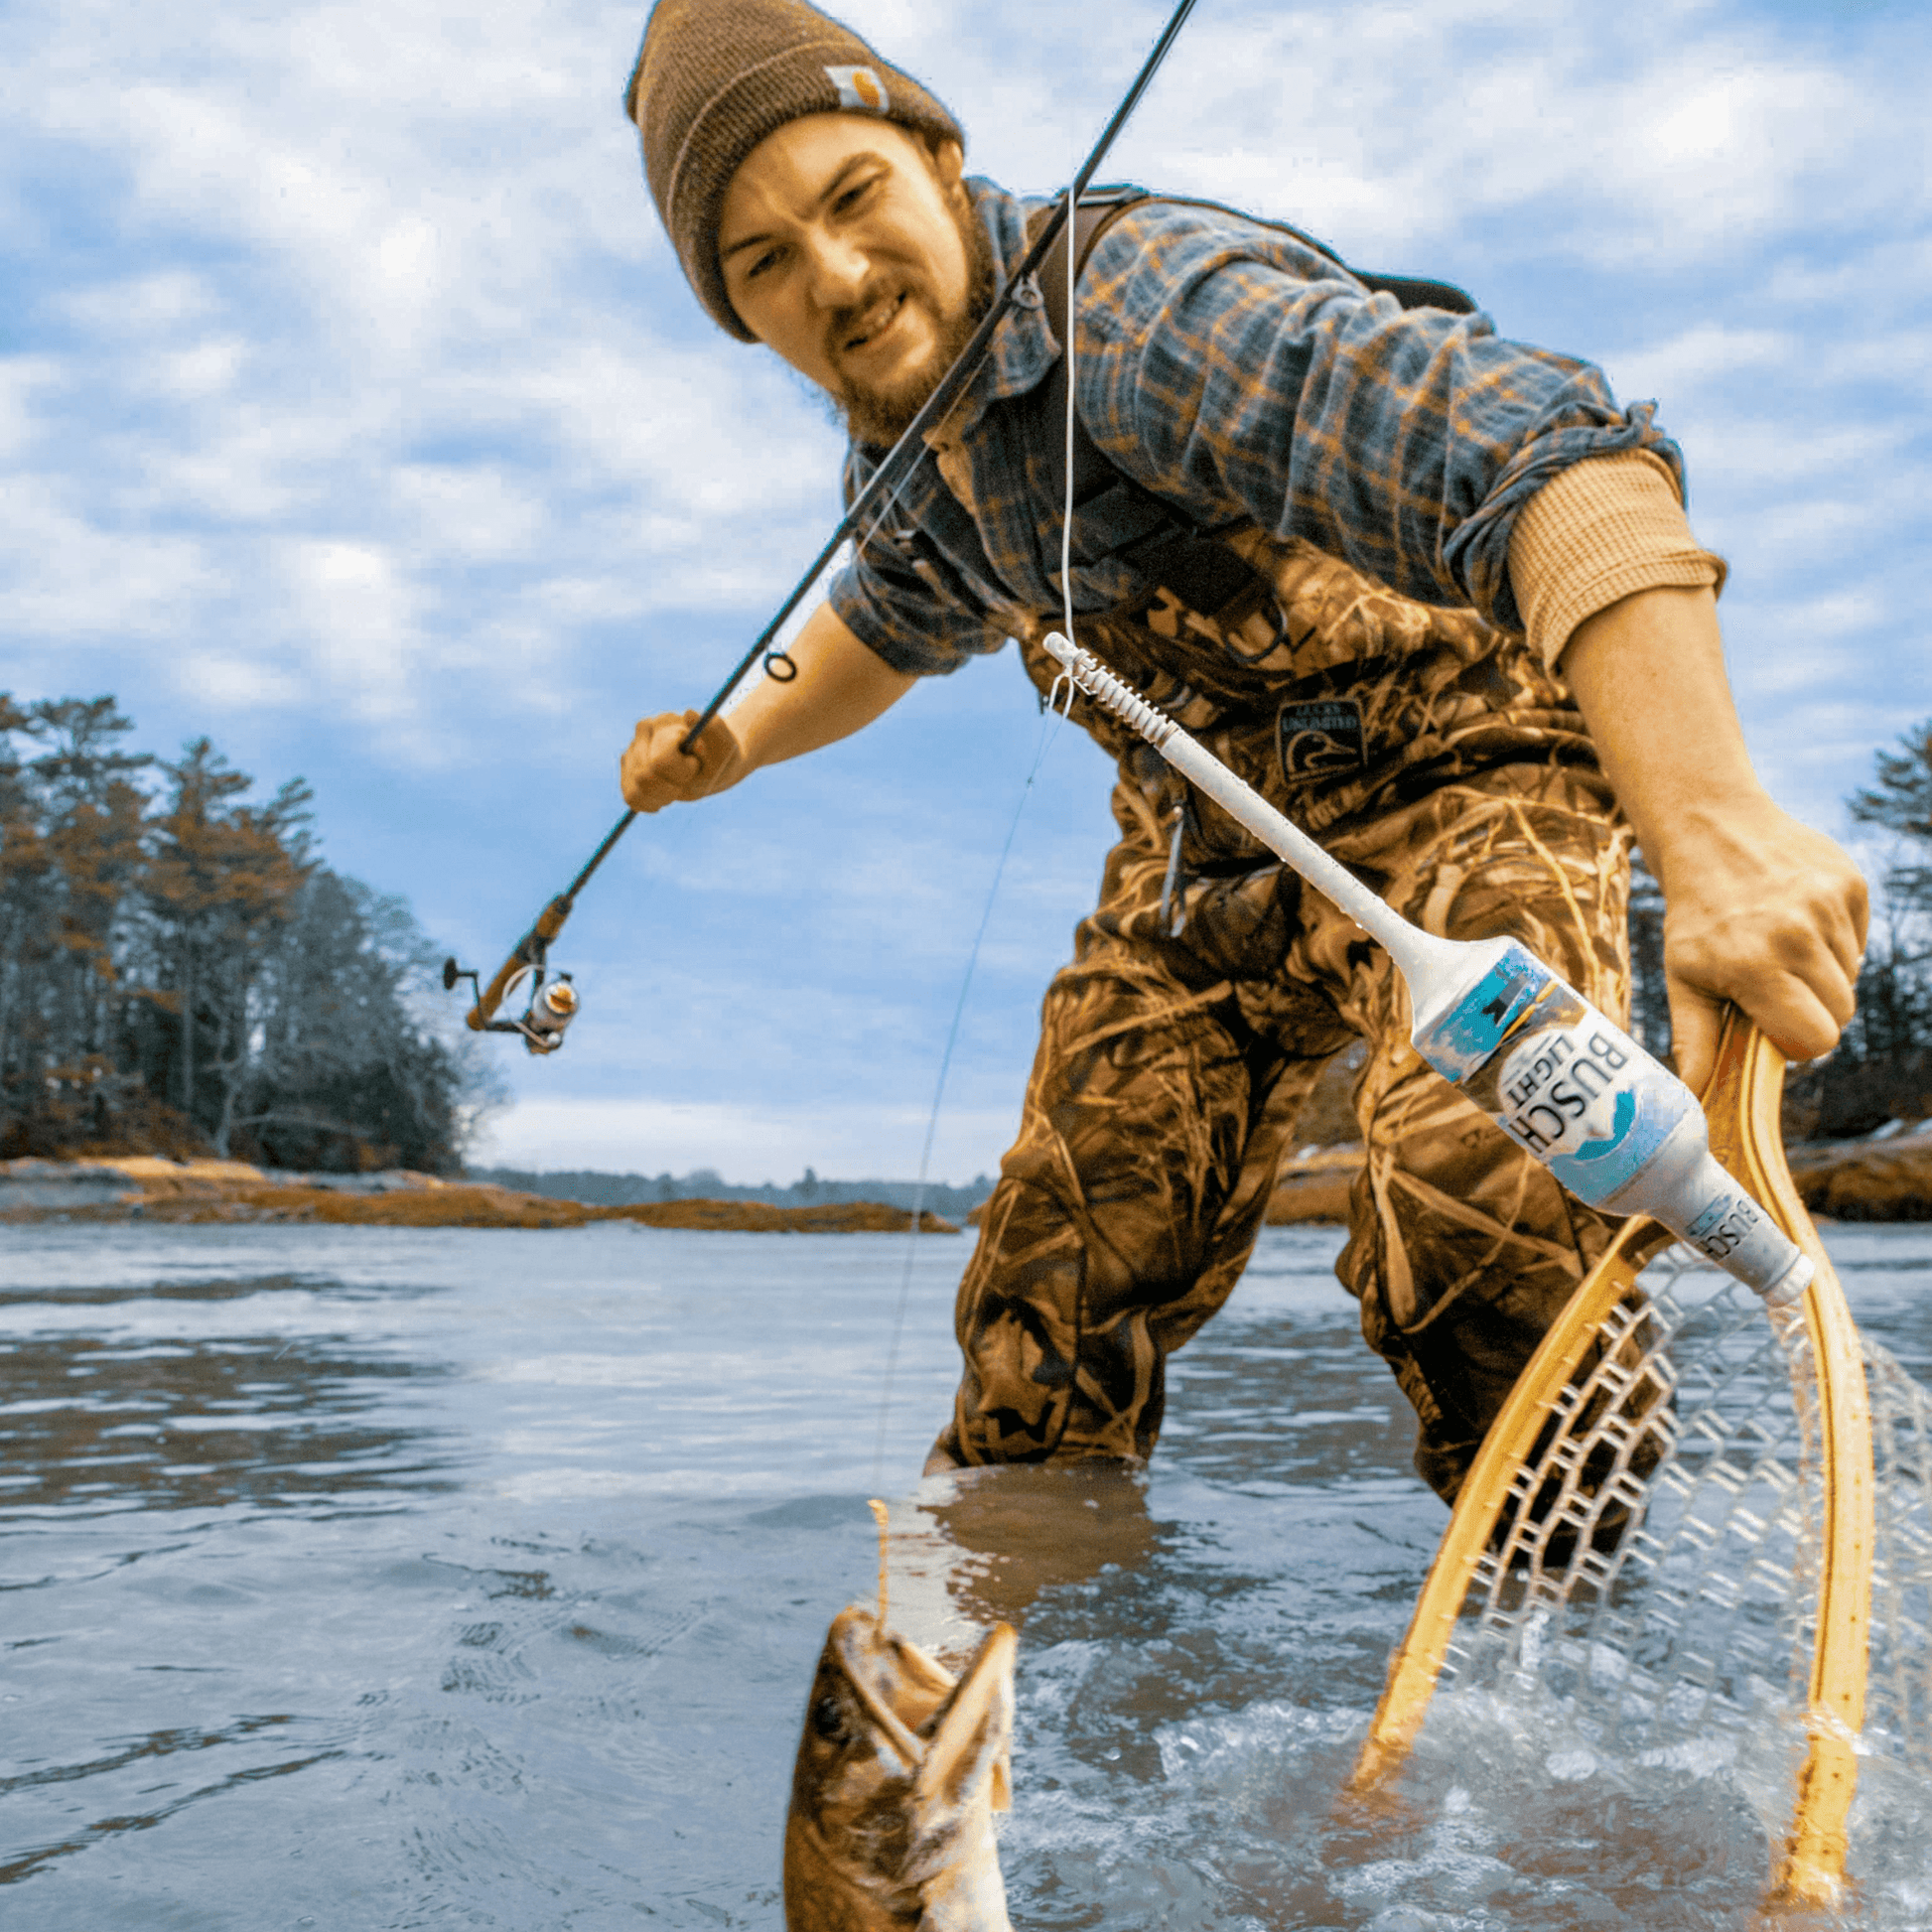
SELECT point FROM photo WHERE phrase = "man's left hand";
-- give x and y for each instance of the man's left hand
(1768, 915)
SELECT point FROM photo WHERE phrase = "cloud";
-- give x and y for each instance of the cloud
(357, 413)
(1702, 354)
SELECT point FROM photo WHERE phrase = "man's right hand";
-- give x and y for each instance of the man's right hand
(653, 773)
(837, 686)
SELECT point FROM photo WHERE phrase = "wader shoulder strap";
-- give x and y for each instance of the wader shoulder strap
(1181, 556)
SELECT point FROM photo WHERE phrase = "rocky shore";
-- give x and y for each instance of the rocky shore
(1887, 1178)
(1313, 1187)
(146, 1187)
(1884, 1179)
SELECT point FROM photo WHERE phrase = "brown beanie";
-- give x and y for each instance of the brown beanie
(714, 77)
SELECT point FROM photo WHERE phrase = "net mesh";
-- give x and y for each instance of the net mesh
(1651, 1588)
(1898, 1697)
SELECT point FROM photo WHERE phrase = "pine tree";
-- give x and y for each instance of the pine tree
(1883, 1067)
(180, 973)
(1902, 802)
(221, 885)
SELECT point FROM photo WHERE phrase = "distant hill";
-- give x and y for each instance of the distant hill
(705, 1184)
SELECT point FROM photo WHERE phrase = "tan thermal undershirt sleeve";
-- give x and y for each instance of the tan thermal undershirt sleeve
(1596, 532)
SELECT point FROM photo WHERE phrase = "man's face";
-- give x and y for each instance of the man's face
(853, 251)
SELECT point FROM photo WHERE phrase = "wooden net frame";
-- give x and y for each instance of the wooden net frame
(1669, 1528)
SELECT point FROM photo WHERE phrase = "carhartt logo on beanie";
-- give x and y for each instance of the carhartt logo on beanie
(714, 77)
(859, 89)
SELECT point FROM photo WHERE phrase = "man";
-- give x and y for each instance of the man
(1450, 619)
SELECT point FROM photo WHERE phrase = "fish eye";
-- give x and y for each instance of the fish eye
(828, 1717)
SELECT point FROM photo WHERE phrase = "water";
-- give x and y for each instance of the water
(357, 1577)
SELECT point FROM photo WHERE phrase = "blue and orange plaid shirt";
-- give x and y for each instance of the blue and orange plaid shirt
(1240, 377)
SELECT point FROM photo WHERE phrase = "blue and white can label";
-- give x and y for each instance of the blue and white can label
(1468, 1035)
(1589, 1103)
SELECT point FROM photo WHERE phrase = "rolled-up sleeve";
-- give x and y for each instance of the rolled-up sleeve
(915, 626)
(1233, 369)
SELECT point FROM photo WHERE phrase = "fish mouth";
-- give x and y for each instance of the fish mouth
(943, 1731)
(875, 1664)
(969, 1738)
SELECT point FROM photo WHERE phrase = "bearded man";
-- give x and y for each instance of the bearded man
(1430, 592)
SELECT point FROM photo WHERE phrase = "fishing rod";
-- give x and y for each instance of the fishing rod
(553, 1001)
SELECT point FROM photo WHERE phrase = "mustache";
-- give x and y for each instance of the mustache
(845, 322)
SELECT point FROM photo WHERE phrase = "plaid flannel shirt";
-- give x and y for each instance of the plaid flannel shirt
(1239, 375)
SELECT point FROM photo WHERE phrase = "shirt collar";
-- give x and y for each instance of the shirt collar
(1022, 348)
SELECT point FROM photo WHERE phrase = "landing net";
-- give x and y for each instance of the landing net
(1700, 1535)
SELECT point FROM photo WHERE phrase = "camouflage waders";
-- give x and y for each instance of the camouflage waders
(1433, 756)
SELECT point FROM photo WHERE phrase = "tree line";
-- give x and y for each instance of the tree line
(180, 973)
(1881, 1069)
(604, 1189)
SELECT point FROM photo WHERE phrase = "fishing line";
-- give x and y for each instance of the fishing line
(1050, 722)
(1049, 728)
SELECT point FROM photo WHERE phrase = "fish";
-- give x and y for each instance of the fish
(899, 1772)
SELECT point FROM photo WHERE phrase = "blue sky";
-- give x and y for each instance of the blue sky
(353, 411)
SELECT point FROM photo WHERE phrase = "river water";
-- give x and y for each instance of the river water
(366, 1577)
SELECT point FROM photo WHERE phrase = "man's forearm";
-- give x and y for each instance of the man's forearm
(1761, 910)
(1648, 675)
(841, 687)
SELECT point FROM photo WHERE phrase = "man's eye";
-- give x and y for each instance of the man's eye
(766, 260)
(852, 197)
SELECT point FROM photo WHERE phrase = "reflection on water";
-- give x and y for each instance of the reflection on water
(88, 1422)
(1011, 1534)
(142, 1768)
(362, 1578)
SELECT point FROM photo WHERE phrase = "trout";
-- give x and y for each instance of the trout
(900, 1772)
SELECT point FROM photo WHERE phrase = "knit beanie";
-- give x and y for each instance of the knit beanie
(714, 77)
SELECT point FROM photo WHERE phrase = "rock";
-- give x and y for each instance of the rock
(1308, 1198)
(150, 1170)
(1314, 1185)
(47, 1185)
(1889, 1179)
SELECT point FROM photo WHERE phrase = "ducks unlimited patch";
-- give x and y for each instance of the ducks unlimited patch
(1321, 739)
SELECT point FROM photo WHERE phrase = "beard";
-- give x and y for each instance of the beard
(880, 416)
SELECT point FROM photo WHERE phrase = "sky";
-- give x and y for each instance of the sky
(353, 412)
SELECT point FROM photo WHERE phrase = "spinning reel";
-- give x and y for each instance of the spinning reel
(553, 999)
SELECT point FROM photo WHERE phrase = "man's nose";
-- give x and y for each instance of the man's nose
(839, 267)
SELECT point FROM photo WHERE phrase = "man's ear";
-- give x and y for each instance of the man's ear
(948, 160)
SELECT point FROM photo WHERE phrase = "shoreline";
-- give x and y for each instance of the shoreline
(145, 1187)
(1887, 1179)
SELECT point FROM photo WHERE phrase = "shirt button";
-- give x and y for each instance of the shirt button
(1027, 295)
